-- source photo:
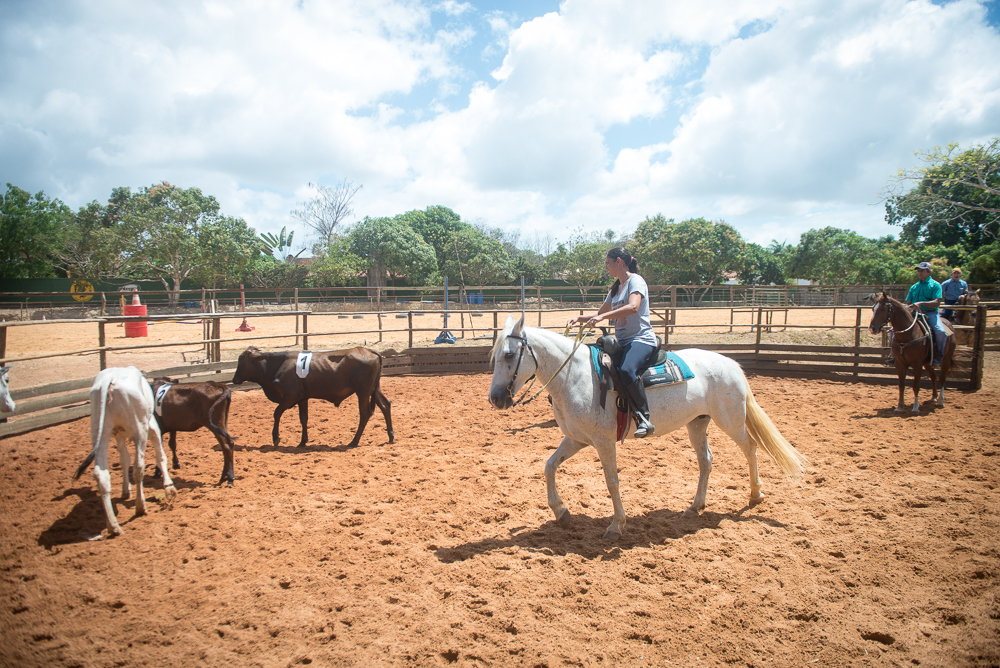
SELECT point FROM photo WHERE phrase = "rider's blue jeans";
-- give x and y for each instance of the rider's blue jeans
(634, 355)
(940, 333)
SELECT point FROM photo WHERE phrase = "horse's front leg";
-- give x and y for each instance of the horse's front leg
(609, 462)
(566, 449)
(901, 374)
(916, 388)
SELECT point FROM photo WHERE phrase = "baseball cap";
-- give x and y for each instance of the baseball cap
(924, 265)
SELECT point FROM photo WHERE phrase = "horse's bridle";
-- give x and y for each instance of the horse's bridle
(888, 317)
(520, 355)
(524, 341)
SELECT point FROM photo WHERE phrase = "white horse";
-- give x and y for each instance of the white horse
(719, 391)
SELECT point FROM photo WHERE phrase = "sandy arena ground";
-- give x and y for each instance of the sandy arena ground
(439, 549)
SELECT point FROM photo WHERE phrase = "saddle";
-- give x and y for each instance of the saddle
(926, 333)
(661, 368)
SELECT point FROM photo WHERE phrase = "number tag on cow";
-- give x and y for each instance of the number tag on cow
(302, 364)
(161, 392)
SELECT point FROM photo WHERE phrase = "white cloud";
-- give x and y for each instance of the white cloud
(778, 116)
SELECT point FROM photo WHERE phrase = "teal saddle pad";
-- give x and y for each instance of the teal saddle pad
(673, 370)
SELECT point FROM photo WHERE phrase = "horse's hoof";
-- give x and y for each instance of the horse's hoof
(563, 517)
(612, 534)
(691, 512)
(755, 499)
(898, 410)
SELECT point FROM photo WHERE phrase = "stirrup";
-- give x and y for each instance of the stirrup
(644, 427)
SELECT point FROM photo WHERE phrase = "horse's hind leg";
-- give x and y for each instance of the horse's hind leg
(567, 448)
(698, 433)
(737, 431)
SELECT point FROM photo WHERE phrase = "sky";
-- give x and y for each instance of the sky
(549, 119)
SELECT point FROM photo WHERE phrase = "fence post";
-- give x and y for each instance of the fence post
(409, 326)
(305, 331)
(756, 350)
(494, 327)
(101, 341)
(104, 303)
(857, 341)
(978, 349)
(666, 326)
(673, 296)
(380, 326)
(538, 289)
(217, 334)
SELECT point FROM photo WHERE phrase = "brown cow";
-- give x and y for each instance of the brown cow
(332, 375)
(191, 406)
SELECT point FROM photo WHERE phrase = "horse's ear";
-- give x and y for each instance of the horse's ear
(518, 326)
(509, 325)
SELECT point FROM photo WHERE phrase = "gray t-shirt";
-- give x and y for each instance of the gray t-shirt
(636, 327)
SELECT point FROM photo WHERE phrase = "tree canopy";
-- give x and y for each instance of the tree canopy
(391, 249)
(956, 199)
(30, 228)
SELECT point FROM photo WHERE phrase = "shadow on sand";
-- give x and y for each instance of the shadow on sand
(583, 536)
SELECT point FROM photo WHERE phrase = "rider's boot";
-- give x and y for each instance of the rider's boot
(637, 393)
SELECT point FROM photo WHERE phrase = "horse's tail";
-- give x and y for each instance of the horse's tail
(767, 436)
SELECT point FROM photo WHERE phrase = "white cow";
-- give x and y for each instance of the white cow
(121, 405)
(6, 403)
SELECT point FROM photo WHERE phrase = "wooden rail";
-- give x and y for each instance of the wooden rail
(55, 403)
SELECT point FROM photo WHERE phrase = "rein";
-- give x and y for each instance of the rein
(888, 306)
(524, 340)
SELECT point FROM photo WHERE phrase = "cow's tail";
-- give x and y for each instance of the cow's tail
(226, 397)
(105, 386)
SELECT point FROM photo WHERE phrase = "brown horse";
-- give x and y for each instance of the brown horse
(911, 348)
(963, 337)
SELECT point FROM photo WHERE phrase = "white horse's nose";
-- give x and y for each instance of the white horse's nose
(501, 399)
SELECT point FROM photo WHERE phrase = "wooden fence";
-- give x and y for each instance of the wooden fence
(56, 403)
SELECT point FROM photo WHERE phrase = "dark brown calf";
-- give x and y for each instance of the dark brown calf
(189, 407)
(333, 375)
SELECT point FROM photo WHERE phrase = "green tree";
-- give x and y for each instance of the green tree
(581, 261)
(693, 252)
(392, 249)
(764, 266)
(93, 246)
(272, 274)
(956, 199)
(180, 234)
(475, 258)
(31, 227)
(436, 225)
(335, 264)
(280, 245)
(983, 264)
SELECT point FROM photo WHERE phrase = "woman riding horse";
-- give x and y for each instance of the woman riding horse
(628, 303)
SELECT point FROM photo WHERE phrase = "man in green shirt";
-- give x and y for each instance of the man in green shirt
(926, 295)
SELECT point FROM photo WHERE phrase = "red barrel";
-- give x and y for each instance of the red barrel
(135, 329)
